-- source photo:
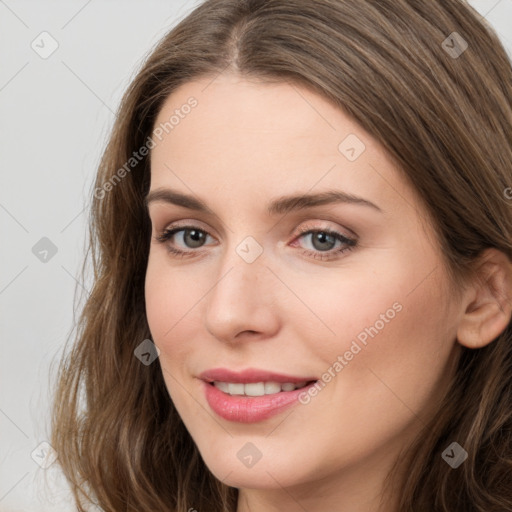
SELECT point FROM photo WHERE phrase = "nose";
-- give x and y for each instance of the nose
(242, 304)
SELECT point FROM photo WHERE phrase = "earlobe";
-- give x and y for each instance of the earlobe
(489, 310)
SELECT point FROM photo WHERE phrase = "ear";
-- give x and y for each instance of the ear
(489, 306)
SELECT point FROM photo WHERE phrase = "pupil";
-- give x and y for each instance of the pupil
(194, 238)
(323, 241)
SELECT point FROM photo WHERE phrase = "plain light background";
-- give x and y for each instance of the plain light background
(55, 114)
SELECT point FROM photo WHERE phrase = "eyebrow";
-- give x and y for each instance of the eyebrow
(279, 206)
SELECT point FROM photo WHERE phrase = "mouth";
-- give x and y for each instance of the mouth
(252, 395)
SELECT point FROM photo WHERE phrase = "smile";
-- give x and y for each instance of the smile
(251, 396)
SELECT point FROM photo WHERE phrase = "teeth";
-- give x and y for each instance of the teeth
(223, 386)
(236, 389)
(272, 387)
(257, 388)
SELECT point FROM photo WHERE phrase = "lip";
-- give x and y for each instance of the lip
(243, 409)
(250, 375)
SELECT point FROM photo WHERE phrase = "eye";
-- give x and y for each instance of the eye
(321, 240)
(324, 244)
(186, 237)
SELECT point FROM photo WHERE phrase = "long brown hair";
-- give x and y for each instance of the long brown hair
(445, 116)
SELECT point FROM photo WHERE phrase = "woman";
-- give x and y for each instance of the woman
(302, 243)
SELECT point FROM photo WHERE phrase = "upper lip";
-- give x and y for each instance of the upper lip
(250, 375)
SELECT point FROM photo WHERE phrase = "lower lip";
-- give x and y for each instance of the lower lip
(244, 409)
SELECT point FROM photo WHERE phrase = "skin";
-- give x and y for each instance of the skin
(245, 144)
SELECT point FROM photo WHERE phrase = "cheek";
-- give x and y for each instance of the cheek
(385, 368)
(388, 338)
(170, 297)
(397, 347)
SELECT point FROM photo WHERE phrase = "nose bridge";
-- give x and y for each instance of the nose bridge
(241, 298)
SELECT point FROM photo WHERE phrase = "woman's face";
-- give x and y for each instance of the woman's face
(325, 321)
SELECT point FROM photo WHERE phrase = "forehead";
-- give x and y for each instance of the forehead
(254, 113)
(256, 138)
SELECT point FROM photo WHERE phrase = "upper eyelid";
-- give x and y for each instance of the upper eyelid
(302, 230)
(329, 218)
(340, 231)
(182, 225)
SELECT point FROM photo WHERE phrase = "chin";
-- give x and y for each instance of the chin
(235, 468)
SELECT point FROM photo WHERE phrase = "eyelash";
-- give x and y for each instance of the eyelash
(350, 243)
